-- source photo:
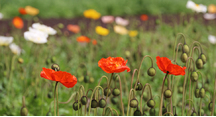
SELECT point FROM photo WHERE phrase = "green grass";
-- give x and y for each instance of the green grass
(75, 8)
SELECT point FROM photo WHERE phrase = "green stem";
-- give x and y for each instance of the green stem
(11, 74)
(122, 106)
(55, 98)
(101, 79)
(132, 90)
(133, 77)
(200, 106)
(161, 101)
(72, 95)
(149, 86)
(176, 42)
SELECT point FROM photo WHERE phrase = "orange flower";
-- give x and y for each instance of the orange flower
(65, 78)
(18, 22)
(94, 42)
(212, 8)
(83, 39)
(113, 65)
(73, 28)
(144, 17)
(166, 66)
(22, 11)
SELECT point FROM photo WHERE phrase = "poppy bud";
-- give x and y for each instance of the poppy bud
(49, 95)
(116, 92)
(102, 103)
(202, 92)
(76, 106)
(94, 103)
(55, 67)
(107, 92)
(194, 76)
(81, 78)
(115, 77)
(202, 112)
(86, 79)
(49, 114)
(20, 60)
(60, 25)
(199, 63)
(151, 71)
(185, 48)
(203, 57)
(139, 86)
(180, 89)
(210, 106)
(151, 103)
(206, 87)
(193, 113)
(145, 96)
(184, 57)
(83, 100)
(127, 53)
(91, 80)
(53, 59)
(114, 100)
(133, 103)
(167, 93)
(196, 93)
(137, 113)
(24, 111)
(152, 112)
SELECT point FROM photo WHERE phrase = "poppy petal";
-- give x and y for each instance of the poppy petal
(65, 78)
(162, 63)
(176, 69)
(47, 73)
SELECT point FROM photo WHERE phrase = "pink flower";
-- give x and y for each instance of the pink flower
(121, 21)
(107, 19)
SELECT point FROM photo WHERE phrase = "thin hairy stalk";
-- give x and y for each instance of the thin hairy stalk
(131, 91)
(213, 99)
(122, 106)
(92, 96)
(195, 43)
(177, 51)
(161, 101)
(200, 106)
(201, 77)
(115, 111)
(140, 67)
(101, 79)
(109, 109)
(133, 77)
(81, 90)
(11, 74)
(198, 49)
(176, 42)
(149, 86)
(55, 97)
(185, 79)
(72, 95)
(23, 101)
(167, 113)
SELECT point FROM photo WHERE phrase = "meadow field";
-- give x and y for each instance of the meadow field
(146, 58)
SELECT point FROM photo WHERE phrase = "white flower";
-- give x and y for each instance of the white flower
(5, 41)
(44, 28)
(212, 39)
(1, 15)
(196, 7)
(36, 36)
(121, 21)
(120, 30)
(209, 16)
(15, 49)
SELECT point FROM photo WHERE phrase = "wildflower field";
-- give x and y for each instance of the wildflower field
(120, 58)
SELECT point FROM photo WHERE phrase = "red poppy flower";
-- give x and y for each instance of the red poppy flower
(83, 39)
(165, 65)
(18, 22)
(144, 17)
(22, 11)
(73, 28)
(94, 42)
(113, 65)
(65, 78)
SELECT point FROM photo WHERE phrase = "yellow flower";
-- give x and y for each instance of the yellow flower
(101, 31)
(92, 14)
(120, 30)
(133, 33)
(31, 10)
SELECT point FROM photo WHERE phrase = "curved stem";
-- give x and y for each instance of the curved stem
(176, 42)
(185, 79)
(81, 90)
(92, 96)
(122, 106)
(140, 67)
(161, 101)
(133, 77)
(201, 77)
(115, 111)
(132, 90)
(167, 113)
(149, 86)
(23, 101)
(109, 109)
(196, 47)
(102, 78)
(72, 95)
(213, 99)
(88, 91)
(177, 51)
(192, 103)
(198, 44)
